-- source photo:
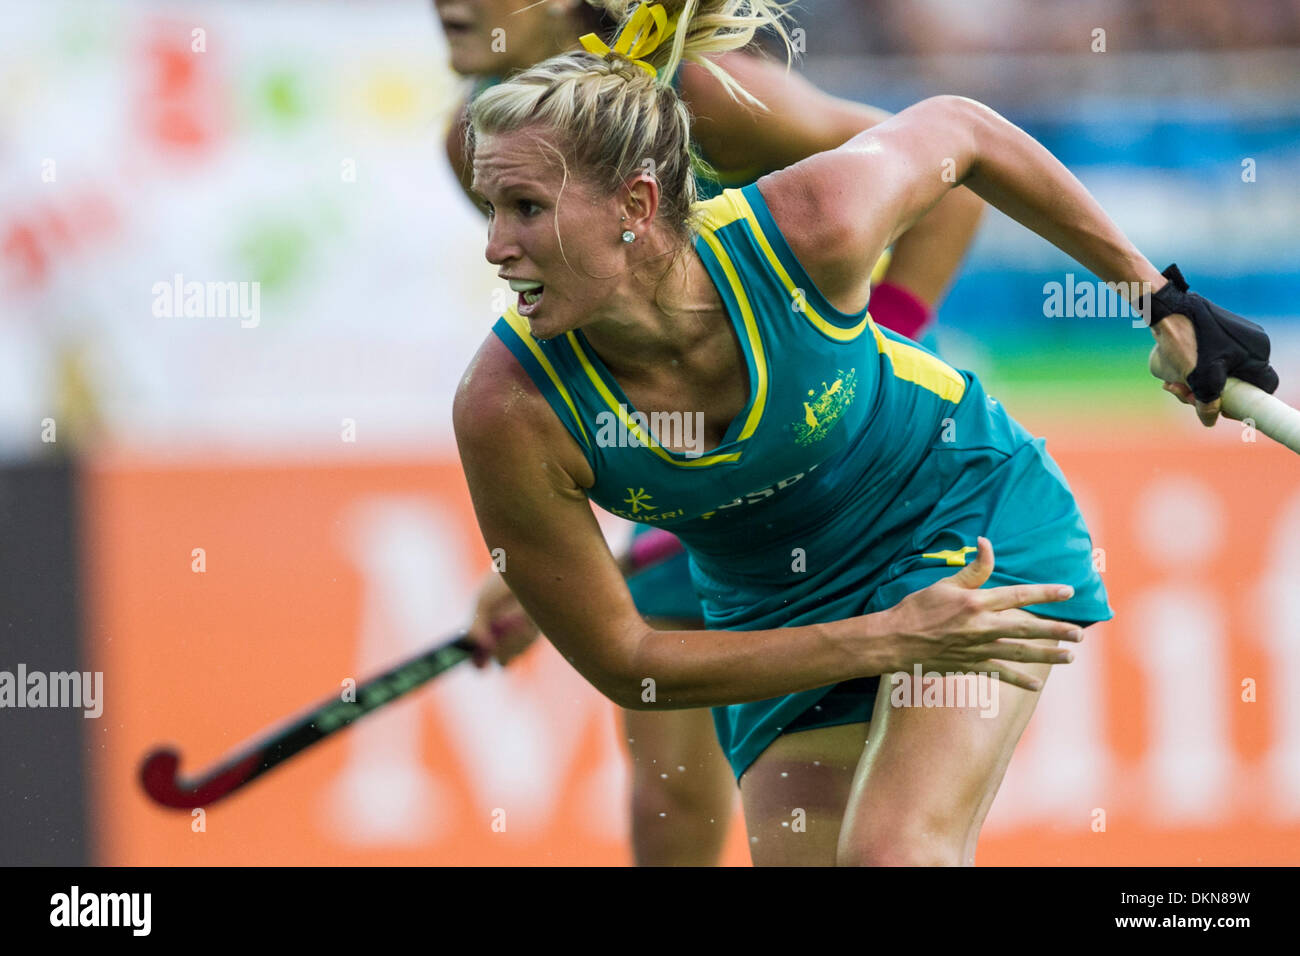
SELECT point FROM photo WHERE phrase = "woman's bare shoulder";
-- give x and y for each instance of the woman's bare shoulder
(500, 413)
(822, 217)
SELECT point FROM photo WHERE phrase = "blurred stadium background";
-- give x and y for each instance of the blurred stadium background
(309, 453)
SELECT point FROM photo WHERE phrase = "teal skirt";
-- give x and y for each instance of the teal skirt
(1017, 498)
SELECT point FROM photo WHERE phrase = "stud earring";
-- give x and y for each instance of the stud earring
(628, 235)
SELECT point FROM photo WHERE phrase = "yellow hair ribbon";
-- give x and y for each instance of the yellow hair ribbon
(646, 29)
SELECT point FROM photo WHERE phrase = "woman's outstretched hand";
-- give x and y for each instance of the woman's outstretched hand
(959, 625)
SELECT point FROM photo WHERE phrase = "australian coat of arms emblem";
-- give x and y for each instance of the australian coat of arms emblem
(821, 412)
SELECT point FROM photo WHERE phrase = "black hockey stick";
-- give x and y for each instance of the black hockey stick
(159, 771)
(159, 775)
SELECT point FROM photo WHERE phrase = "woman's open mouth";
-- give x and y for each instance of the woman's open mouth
(530, 295)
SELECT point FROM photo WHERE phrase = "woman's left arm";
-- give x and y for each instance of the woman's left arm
(839, 206)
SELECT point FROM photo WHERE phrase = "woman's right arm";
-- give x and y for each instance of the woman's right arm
(527, 478)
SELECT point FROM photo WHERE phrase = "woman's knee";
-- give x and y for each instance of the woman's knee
(935, 845)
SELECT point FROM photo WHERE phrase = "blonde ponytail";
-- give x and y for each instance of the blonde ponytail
(612, 116)
(704, 28)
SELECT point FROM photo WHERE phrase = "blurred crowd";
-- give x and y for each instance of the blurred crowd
(929, 27)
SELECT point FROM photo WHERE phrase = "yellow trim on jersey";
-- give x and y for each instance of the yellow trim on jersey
(910, 364)
(520, 326)
(633, 428)
(713, 217)
(913, 364)
(721, 210)
(829, 329)
(751, 331)
(954, 558)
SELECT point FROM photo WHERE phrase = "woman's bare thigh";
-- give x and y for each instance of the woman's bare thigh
(930, 773)
(795, 793)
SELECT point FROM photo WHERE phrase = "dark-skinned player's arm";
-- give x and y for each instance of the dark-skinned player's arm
(852, 201)
(526, 476)
(801, 120)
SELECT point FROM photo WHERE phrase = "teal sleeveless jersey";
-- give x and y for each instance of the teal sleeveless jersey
(862, 468)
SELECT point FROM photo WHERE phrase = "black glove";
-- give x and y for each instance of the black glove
(1226, 344)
